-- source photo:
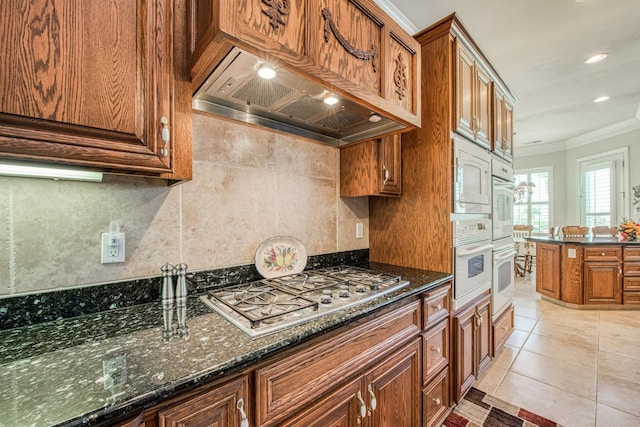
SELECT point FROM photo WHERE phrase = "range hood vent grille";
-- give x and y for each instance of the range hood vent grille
(287, 103)
(262, 92)
(339, 120)
(304, 108)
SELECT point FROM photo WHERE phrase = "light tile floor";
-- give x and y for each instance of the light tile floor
(577, 367)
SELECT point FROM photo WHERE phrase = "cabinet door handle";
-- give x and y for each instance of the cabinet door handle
(244, 421)
(363, 406)
(387, 174)
(437, 350)
(374, 401)
(437, 307)
(166, 135)
(436, 400)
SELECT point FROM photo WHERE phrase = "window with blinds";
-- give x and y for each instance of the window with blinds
(603, 186)
(533, 206)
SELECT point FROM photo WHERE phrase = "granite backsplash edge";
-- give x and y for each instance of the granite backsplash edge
(34, 309)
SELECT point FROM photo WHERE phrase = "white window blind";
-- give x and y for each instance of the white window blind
(535, 207)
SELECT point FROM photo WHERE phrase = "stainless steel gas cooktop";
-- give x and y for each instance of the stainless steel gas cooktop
(269, 305)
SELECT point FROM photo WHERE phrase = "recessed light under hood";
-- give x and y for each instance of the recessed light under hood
(286, 103)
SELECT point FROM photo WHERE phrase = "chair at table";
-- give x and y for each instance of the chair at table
(525, 251)
(521, 231)
(574, 231)
(601, 231)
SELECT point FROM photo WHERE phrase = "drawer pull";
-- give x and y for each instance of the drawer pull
(503, 328)
(436, 349)
(363, 406)
(244, 421)
(437, 307)
(436, 400)
(374, 401)
(602, 253)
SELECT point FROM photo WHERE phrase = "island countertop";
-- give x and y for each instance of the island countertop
(587, 240)
(53, 373)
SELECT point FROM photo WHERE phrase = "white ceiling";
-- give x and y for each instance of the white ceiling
(538, 47)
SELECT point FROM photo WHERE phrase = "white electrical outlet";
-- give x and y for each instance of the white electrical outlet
(112, 248)
(359, 230)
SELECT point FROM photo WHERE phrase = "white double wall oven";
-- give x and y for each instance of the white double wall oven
(503, 187)
(482, 226)
(471, 222)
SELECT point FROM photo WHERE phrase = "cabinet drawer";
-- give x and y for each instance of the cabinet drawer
(436, 399)
(631, 254)
(435, 306)
(603, 253)
(286, 385)
(631, 298)
(502, 330)
(631, 284)
(631, 269)
(435, 350)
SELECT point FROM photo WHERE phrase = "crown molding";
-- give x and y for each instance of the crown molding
(535, 149)
(580, 140)
(397, 16)
(603, 133)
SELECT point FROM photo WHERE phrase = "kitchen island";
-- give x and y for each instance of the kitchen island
(119, 366)
(588, 272)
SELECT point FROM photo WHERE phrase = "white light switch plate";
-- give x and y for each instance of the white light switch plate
(571, 253)
(359, 230)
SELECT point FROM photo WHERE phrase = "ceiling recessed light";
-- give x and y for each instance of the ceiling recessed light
(330, 99)
(601, 99)
(266, 72)
(595, 58)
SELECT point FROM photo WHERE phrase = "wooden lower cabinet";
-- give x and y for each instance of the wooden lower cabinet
(502, 329)
(548, 266)
(224, 406)
(471, 344)
(338, 408)
(436, 399)
(388, 394)
(602, 283)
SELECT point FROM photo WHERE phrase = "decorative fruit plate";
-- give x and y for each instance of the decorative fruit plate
(279, 256)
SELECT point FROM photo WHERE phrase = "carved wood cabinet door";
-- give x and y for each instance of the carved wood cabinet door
(88, 83)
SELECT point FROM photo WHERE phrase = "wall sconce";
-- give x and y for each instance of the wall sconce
(523, 192)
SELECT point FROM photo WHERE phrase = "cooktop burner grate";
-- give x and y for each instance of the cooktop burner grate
(360, 276)
(260, 302)
(268, 305)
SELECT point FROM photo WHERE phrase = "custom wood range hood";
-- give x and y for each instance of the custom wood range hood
(346, 49)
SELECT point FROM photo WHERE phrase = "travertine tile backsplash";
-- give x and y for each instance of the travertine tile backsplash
(248, 185)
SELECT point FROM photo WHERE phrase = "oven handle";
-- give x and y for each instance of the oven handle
(507, 255)
(465, 252)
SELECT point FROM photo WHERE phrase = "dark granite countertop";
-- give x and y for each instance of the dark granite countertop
(588, 240)
(53, 373)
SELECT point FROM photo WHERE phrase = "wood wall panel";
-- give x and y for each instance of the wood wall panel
(571, 288)
(415, 230)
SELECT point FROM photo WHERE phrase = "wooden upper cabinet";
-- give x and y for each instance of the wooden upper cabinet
(473, 97)
(348, 46)
(371, 168)
(464, 91)
(502, 125)
(91, 83)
